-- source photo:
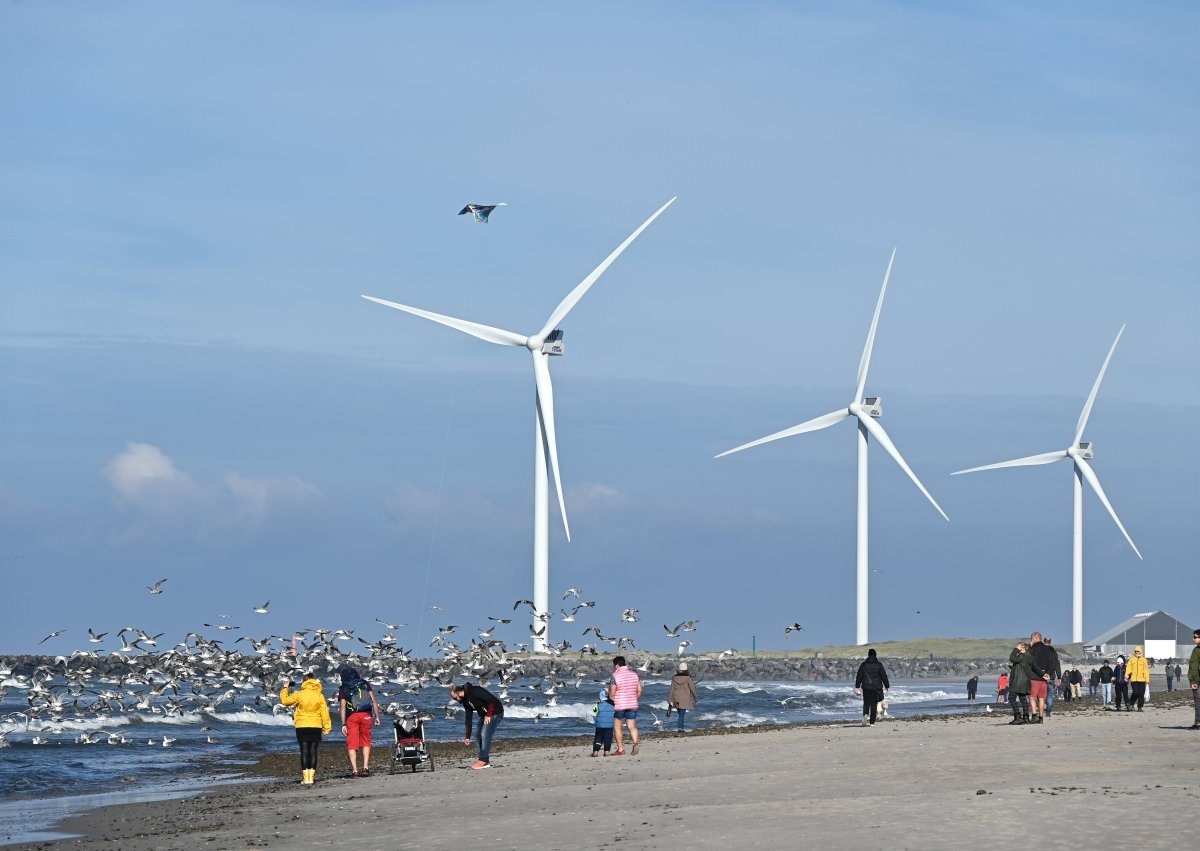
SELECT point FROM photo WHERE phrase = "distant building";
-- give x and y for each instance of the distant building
(1162, 636)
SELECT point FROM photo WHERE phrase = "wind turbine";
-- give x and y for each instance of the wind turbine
(545, 343)
(1080, 453)
(866, 409)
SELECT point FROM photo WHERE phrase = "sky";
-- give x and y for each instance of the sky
(191, 388)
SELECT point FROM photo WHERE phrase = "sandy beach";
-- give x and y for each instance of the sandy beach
(936, 782)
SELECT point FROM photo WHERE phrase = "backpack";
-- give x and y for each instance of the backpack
(358, 696)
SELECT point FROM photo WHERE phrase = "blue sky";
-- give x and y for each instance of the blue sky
(191, 387)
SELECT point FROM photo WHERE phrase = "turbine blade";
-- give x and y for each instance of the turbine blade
(1091, 399)
(864, 363)
(573, 297)
(1029, 461)
(484, 332)
(1090, 475)
(886, 442)
(815, 424)
(545, 402)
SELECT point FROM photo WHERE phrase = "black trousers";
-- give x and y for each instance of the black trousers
(871, 698)
(603, 739)
(309, 739)
(1138, 694)
(1120, 693)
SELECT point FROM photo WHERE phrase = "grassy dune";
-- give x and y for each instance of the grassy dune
(941, 648)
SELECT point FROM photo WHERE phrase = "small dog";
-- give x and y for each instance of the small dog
(881, 709)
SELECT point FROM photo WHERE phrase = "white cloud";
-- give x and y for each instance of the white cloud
(143, 468)
(161, 499)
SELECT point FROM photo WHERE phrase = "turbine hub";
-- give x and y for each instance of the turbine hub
(533, 343)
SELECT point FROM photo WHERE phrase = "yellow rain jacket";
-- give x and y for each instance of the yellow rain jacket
(311, 708)
(1137, 670)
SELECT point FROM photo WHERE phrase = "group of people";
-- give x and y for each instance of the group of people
(1029, 687)
(358, 707)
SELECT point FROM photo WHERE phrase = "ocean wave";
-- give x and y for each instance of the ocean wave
(579, 711)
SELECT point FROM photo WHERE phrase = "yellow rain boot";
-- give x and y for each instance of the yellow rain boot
(310, 776)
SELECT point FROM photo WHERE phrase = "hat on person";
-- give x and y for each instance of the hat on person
(603, 694)
(1121, 659)
(683, 667)
(1137, 648)
(871, 653)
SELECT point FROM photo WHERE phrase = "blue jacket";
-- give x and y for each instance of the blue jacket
(604, 713)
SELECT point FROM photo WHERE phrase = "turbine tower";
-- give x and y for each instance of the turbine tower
(545, 343)
(866, 409)
(1080, 453)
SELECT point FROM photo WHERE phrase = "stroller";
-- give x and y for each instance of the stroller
(411, 747)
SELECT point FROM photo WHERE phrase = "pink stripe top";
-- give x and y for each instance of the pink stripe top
(625, 695)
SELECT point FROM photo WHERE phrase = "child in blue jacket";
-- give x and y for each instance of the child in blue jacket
(604, 724)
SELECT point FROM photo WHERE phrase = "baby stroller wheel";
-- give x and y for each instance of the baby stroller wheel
(392, 766)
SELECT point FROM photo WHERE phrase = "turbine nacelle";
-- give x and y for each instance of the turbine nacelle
(550, 344)
(871, 406)
(1082, 450)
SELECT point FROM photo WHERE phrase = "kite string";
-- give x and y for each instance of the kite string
(437, 502)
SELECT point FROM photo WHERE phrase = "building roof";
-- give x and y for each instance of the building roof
(1147, 625)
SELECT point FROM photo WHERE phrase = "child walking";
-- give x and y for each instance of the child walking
(604, 724)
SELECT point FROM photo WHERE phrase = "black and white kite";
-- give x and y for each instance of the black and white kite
(480, 211)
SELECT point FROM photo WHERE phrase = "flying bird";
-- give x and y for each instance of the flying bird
(571, 592)
(263, 609)
(156, 588)
(54, 634)
(629, 615)
(94, 637)
(787, 630)
(481, 211)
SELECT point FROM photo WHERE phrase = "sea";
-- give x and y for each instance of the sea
(51, 770)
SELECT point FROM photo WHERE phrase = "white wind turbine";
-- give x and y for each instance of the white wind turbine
(544, 343)
(1079, 453)
(866, 409)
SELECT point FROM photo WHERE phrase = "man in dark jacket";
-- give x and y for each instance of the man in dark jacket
(871, 682)
(972, 688)
(1106, 682)
(1045, 660)
(1194, 676)
(476, 699)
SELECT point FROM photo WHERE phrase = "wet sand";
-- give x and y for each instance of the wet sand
(939, 782)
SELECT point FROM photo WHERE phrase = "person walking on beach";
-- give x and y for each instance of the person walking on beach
(480, 701)
(972, 687)
(357, 703)
(604, 724)
(1020, 682)
(1076, 682)
(1170, 672)
(1138, 674)
(1056, 674)
(312, 721)
(1093, 682)
(1194, 676)
(871, 682)
(1002, 688)
(682, 695)
(1120, 685)
(1041, 688)
(625, 689)
(1106, 683)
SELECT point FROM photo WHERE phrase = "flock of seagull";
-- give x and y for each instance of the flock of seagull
(201, 675)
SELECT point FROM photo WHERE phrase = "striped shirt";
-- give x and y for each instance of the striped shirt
(625, 693)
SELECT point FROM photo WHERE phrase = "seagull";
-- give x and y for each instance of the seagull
(391, 626)
(571, 592)
(436, 609)
(724, 653)
(787, 700)
(536, 633)
(54, 634)
(683, 645)
(95, 638)
(446, 630)
(500, 620)
(166, 743)
(630, 615)
(787, 630)
(156, 588)
(263, 609)
(568, 617)
(481, 211)
(528, 603)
